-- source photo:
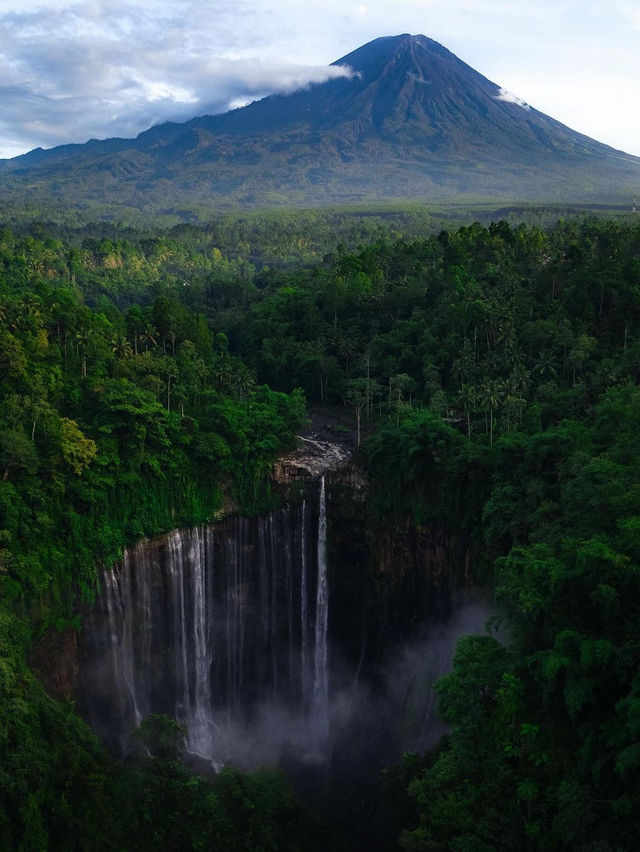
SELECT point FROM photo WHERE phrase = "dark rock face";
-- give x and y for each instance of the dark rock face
(309, 637)
(210, 626)
(55, 656)
(393, 583)
(253, 630)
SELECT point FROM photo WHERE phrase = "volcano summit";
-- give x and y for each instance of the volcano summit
(409, 120)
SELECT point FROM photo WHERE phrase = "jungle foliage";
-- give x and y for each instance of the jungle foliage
(114, 424)
(492, 373)
(496, 372)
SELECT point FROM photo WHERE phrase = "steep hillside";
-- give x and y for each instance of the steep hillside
(411, 121)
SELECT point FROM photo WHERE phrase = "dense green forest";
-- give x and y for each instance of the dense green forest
(114, 425)
(150, 380)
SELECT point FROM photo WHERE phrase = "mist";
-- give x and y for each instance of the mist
(376, 718)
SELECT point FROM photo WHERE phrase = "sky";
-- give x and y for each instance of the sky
(71, 70)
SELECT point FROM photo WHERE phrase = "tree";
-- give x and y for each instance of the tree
(357, 396)
(490, 395)
(120, 346)
(161, 736)
(17, 453)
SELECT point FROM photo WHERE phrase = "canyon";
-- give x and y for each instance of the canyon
(307, 638)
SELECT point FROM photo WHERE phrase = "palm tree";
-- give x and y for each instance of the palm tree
(545, 365)
(149, 334)
(120, 346)
(82, 341)
(467, 397)
(491, 392)
(32, 304)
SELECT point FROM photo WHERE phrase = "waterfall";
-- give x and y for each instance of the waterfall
(225, 628)
(199, 715)
(120, 643)
(221, 627)
(178, 610)
(304, 612)
(321, 678)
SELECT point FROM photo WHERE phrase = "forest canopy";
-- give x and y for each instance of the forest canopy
(492, 374)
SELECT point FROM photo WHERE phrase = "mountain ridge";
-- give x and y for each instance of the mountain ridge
(412, 120)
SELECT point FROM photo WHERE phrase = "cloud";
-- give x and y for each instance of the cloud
(97, 70)
(510, 98)
(628, 12)
(74, 69)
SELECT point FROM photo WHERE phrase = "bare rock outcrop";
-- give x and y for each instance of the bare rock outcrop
(313, 458)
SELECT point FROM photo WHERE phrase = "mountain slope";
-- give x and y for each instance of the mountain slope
(411, 121)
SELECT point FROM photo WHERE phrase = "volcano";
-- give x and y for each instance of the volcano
(409, 120)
